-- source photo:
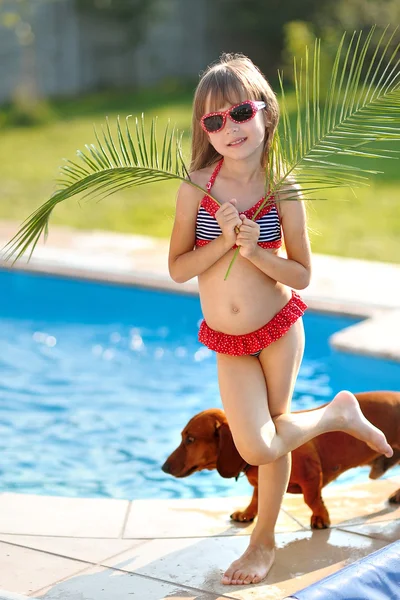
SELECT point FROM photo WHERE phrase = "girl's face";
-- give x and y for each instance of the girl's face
(238, 141)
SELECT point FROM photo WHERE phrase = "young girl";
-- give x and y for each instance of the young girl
(253, 318)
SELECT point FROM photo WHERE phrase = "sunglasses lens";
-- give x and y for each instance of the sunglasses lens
(213, 123)
(244, 112)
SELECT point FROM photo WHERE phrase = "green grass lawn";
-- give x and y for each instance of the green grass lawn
(366, 226)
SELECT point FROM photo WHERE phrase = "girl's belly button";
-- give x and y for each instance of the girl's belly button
(235, 309)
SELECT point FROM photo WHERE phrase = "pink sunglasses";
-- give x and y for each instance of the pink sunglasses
(239, 113)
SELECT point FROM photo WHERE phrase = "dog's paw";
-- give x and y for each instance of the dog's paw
(318, 522)
(395, 498)
(243, 516)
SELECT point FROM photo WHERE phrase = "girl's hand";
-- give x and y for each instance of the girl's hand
(228, 218)
(247, 239)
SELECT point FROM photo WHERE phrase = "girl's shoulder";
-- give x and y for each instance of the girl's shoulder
(291, 190)
(291, 208)
(202, 176)
(192, 196)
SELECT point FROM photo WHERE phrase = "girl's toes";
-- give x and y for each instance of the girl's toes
(248, 579)
(236, 577)
(228, 575)
(227, 578)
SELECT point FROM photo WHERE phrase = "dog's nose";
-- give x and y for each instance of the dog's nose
(165, 467)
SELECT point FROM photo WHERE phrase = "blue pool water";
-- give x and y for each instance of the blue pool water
(97, 381)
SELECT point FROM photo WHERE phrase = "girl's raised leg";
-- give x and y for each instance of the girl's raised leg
(261, 439)
(263, 432)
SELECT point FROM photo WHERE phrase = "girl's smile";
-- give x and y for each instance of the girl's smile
(238, 142)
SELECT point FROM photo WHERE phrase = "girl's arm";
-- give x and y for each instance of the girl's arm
(295, 270)
(184, 262)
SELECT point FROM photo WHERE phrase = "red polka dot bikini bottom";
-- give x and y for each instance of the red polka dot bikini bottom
(253, 343)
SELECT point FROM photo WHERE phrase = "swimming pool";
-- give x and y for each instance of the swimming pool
(97, 380)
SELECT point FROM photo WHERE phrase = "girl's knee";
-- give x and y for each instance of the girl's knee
(258, 447)
(257, 454)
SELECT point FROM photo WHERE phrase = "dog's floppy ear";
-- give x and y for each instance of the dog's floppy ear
(381, 464)
(229, 461)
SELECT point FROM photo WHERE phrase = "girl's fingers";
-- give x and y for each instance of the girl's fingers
(227, 206)
(248, 223)
(233, 219)
(249, 233)
(248, 229)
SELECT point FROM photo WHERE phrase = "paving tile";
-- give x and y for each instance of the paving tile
(357, 504)
(4, 595)
(47, 515)
(311, 557)
(302, 558)
(381, 530)
(106, 584)
(192, 517)
(92, 550)
(23, 571)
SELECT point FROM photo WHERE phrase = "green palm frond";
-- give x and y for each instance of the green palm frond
(362, 107)
(114, 164)
(361, 110)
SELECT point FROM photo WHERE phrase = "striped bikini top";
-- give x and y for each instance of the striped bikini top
(207, 228)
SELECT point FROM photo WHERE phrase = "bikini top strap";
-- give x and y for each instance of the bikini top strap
(214, 175)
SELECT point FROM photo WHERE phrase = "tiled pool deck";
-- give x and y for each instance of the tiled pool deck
(86, 549)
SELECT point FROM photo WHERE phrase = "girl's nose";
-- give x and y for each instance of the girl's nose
(230, 126)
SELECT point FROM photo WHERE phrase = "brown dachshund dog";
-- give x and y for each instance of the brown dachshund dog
(207, 443)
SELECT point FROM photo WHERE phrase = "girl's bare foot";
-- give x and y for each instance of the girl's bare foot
(345, 411)
(251, 567)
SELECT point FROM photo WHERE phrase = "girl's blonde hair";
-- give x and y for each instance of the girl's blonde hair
(233, 78)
